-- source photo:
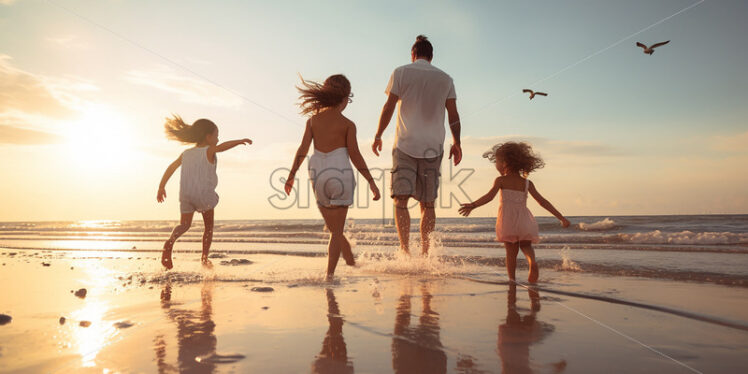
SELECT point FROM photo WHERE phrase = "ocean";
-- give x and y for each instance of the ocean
(692, 248)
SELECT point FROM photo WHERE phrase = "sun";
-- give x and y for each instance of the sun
(99, 139)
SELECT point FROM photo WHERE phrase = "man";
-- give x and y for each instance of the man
(422, 92)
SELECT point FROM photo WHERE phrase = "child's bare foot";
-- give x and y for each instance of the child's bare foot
(533, 276)
(206, 263)
(166, 256)
(348, 257)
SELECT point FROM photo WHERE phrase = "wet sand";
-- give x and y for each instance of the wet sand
(417, 316)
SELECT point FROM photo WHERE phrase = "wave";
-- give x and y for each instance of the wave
(685, 237)
(603, 225)
(653, 240)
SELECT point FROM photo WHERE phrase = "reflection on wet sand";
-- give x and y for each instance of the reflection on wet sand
(520, 332)
(417, 349)
(195, 334)
(333, 358)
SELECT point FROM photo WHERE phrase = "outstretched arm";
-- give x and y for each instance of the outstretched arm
(306, 141)
(358, 160)
(225, 146)
(384, 121)
(547, 205)
(454, 127)
(161, 195)
(483, 200)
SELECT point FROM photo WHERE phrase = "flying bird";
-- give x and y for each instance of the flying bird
(650, 50)
(533, 93)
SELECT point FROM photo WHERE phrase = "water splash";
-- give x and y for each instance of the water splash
(566, 261)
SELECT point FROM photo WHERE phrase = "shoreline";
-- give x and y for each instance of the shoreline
(384, 315)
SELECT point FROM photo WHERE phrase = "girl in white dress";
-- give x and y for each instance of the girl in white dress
(197, 187)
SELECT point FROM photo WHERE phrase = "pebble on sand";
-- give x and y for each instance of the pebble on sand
(84, 323)
(265, 308)
(62, 320)
(234, 262)
(5, 319)
(81, 293)
(123, 324)
(262, 289)
(46, 264)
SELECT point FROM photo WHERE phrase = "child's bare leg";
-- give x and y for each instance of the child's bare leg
(333, 255)
(184, 225)
(511, 259)
(526, 247)
(207, 237)
(335, 221)
(346, 252)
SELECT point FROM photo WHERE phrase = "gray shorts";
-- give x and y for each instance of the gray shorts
(415, 177)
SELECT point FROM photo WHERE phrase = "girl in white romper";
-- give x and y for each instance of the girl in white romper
(335, 148)
(197, 187)
(515, 225)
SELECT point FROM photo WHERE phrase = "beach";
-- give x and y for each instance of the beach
(268, 309)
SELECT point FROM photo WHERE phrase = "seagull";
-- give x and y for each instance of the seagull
(650, 50)
(533, 93)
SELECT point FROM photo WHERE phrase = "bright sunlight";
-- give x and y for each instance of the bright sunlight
(100, 139)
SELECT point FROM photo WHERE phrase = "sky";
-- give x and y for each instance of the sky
(85, 87)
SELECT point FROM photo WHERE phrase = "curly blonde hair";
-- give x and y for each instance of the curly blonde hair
(315, 97)
(518, 157)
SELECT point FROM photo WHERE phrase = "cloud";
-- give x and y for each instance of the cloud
(7, 2)
(32, 104)
(17, 135)
(188, 89)
(21, 91)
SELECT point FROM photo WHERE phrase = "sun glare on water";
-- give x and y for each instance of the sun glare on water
(100, 139)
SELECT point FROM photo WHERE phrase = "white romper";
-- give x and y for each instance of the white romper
(332, 177)
(197, 187)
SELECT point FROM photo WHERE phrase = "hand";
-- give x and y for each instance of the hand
(374, 190)
(289, 183)
(466, 209)
(565, 222)
(456, 151)
(246, 141)
(377, 146)
(161, 195)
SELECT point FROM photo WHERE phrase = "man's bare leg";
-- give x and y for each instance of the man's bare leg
(402, 221)
(428, 221)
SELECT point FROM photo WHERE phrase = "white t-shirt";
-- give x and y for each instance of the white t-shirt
(423, 90)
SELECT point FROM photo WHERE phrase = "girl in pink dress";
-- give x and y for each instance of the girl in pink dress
(515, 225)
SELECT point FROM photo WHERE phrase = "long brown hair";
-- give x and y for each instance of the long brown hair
(315, 97)
(177, 129)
